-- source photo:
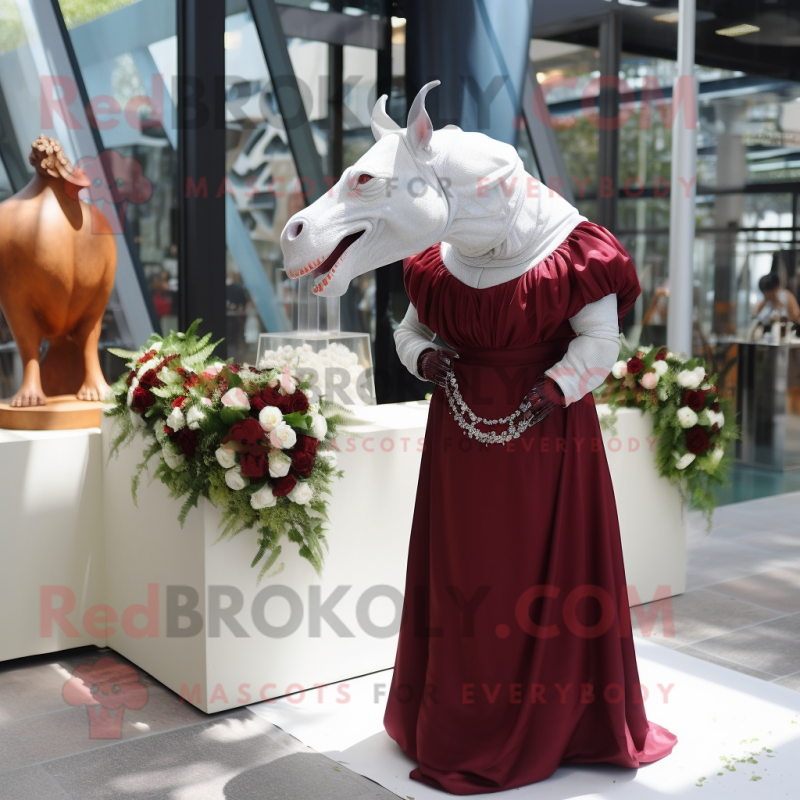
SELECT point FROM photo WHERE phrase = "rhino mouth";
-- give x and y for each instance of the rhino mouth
(323, 273)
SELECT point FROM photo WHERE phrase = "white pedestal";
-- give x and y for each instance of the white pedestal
(51, 538)
(652, 522)
(214, 668)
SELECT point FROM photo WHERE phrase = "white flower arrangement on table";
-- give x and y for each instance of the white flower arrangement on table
(335, 355)
(249, 440)
(689, 418)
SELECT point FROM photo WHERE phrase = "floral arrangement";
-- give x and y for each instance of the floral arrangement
(692, 423)
(248, 439)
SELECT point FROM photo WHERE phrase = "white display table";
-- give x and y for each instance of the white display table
(51, 539)
(370, 513)
(74, 525)
(652, 521)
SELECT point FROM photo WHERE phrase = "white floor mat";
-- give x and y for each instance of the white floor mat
(737, 736)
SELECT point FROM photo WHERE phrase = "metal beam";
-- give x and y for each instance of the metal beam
(543, 140)
(610, 45)
(201, 158)
(290, 102)
(683, 201)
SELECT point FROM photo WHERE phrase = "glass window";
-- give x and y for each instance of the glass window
(127, 54)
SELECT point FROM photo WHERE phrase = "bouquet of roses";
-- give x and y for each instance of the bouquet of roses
(249, 440)
(692, 423)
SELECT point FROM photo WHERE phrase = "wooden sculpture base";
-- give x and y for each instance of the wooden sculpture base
(62, 413)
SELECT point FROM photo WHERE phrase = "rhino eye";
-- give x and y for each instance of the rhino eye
(364, 178)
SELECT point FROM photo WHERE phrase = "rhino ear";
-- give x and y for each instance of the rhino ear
(419, 126)
(382, 123)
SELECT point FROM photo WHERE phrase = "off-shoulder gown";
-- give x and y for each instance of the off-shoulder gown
(515, 652)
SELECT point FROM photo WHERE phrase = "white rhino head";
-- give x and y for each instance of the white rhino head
(406, 193)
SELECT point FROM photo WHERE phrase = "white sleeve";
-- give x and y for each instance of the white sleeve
(411, 338)
(592, 353)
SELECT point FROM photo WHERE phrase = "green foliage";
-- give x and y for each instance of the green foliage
(181, 362)
(695, 475)
(79, 12)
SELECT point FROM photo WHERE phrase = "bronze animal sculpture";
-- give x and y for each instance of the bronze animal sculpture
(58, 260)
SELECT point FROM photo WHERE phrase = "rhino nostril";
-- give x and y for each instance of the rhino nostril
(295, 229)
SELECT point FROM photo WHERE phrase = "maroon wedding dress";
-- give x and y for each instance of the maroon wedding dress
(515, 652)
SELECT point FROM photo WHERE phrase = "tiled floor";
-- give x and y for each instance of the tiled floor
(168, 748)
(741, 610)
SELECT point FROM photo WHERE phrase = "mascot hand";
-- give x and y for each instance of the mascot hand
(434, 365)
(545, 396)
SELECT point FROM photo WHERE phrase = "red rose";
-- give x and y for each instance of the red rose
(245, 431)
(179, 401)
(142, 399)
(147, 356)
(282, 486)
(186, 439)
(715, 428)
(294, 402)
(715, 408)
(697, 440)
(234, 368)
(303, 463)
(254, 465)
(635, 365)
(168, 430)
(661, 355)
(305, 444)
(266, 397)
(150, 379)
(192, 381)
(695, 400)
(131, 376)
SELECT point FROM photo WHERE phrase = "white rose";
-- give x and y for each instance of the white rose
(663, 394)
(157, 346)
(645, 350)
(235, 479)
(705, 386)
(619, 369)
(301, 494)
(263, 498)
(700, 373)
(176, 420)
(688, 379)
(236, 398)
(194, 417)
(319, 426)
(329, 456)
(282, 436)
(269, 416)
(669, 354)
(687, 417)
(130, 395)
(660, 367)
(279, 464)
(715, 457)
(136, 419)
(225, 458)
(684, 461)
(172, 457)
(720, 419)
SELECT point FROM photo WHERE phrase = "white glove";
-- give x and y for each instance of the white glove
(592, 353)
(411, 338)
